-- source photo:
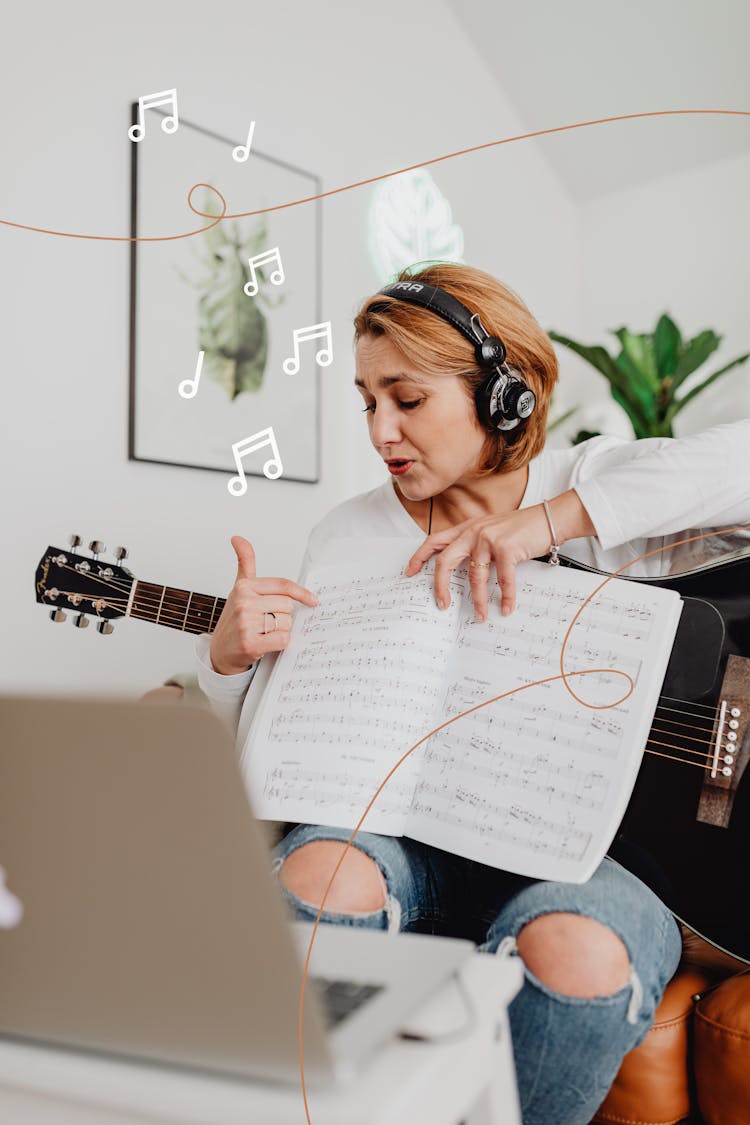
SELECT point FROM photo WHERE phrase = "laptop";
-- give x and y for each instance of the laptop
(147, 921)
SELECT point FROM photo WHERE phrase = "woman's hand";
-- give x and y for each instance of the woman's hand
(238, 639)
(505, 540)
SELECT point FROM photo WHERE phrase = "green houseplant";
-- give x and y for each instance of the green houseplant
(649, 370)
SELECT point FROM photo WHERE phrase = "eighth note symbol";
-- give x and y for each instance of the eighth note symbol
(277, 275)
(148, 101)
(241, 152)
(188, 388)
(324, 356)
(271, 469)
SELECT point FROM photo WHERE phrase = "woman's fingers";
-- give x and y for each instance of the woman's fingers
(506, 580)
(435, 542)
(479, 579)
(286, 588)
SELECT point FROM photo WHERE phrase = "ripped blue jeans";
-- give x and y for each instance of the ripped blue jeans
(567, 1049)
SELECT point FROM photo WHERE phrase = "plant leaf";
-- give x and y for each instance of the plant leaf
(697, 352)
(677, 406)
(600, 358)
(668, 346)
(561, 418)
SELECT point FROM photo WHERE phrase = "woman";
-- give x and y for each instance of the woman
(474, 477)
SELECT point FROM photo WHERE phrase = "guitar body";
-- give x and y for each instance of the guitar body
(698, 869)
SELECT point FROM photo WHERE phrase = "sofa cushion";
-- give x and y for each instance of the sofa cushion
(652, 1086)
(721, 1056)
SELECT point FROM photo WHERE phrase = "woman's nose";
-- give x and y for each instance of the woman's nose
(386, 427)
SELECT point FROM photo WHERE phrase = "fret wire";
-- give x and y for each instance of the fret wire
(161, 603)
(187, 611)
(213, 611)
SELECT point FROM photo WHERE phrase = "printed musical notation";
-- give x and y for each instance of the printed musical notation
(277, 276)
(324, 355)
(240, 153)
(188, 388)
(170, 123)
(532, 782)
(272, 467)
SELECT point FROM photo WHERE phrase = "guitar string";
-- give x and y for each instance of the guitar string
(178, 616)
(690, 737)
(707, 705)
(172, 616)
(679, 711)
(143, 599)
(686, 750)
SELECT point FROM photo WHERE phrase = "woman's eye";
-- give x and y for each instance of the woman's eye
(403, 405)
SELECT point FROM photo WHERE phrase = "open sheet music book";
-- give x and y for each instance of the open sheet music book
(535, 783)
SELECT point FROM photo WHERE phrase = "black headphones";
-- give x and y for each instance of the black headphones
(503, 399)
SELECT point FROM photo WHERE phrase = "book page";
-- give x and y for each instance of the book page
(537, 783)
(363, 678)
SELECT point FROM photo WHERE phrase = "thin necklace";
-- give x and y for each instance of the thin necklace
(429, 528)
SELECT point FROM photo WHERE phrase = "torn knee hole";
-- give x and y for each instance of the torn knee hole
(358, 886)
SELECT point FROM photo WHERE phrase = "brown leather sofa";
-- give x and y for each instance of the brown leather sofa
(693, 1067)
(694, 1064)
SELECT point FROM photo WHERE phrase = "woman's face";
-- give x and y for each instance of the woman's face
(427, 421)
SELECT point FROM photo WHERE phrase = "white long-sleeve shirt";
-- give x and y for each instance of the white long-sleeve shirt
(641, 496)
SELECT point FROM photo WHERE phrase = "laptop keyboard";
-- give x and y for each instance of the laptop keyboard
(342, 997)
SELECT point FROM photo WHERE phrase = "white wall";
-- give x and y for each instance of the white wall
(347, 91)
(680, 245)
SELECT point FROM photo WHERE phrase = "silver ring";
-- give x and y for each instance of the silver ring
(268, 613)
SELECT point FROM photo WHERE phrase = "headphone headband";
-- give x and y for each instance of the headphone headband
(503, 399)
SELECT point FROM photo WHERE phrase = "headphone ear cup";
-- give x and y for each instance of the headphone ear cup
(488, 398)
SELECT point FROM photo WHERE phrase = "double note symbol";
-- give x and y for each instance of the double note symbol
(277, 276)
(241, 152)
(149, 101)
(188, 388)
(324, 356)
(271, 469)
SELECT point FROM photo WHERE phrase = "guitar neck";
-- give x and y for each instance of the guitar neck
(176, 609)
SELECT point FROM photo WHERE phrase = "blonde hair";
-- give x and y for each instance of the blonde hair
(432, 344)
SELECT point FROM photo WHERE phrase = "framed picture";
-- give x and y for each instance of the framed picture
(217, 318)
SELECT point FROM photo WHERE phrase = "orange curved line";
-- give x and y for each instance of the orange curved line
(523, 687)
(140, 238)
(369, 180)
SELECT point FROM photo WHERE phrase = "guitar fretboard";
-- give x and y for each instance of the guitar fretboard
(177, 609)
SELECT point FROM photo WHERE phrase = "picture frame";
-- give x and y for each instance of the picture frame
(209, 381)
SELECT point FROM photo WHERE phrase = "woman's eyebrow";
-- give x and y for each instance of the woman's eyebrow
(389, 380)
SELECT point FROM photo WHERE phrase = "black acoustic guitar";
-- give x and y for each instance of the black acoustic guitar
(686, 831)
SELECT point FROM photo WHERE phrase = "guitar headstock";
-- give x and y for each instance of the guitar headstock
(67, 580)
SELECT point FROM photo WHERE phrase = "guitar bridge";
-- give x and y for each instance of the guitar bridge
(730, 745)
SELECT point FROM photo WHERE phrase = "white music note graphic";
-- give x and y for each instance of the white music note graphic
(149, 101)
(324, 356)
(241, 152)
(188, 388)
(271, 469)
(277, 277)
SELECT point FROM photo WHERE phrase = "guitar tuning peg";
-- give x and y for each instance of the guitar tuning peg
(74, 540)
(97, 547)
(121, 553)
(105, 628)
(81, 621)
(57, 615)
